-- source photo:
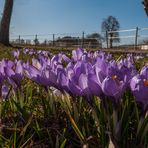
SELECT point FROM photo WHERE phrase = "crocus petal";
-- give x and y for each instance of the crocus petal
(93, 85)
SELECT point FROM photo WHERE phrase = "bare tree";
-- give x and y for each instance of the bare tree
(111, 26)
(5, 22)
(145, 4)
(97, 37)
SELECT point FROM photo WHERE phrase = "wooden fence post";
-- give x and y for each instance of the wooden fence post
(136, 38)
(53, 40)
(83, 39)
(19, 39)
(107, 39)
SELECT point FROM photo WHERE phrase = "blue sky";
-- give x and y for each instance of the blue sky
(73, 16)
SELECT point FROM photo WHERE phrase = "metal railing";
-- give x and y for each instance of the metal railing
(134, 38)
(129, 38)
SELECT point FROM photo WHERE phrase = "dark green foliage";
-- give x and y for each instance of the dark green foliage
(39, 117)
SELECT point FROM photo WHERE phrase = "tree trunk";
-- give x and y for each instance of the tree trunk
(5, 22)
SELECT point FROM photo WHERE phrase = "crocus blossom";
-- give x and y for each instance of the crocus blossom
(139, 87)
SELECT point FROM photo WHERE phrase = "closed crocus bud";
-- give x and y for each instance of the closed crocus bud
(66, 58)
(5, 91)
(25, 50)
(16, 53)
(77, 54)
(36, 63)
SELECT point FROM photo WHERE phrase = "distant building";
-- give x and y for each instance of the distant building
(22, 41)
(69, 41)
(92, 43)
(19, 41)
(144, 47)
(28, 42)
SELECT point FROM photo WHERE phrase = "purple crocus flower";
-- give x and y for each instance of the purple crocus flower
(4, 91)
(77, 54)
(31, 51)
(62, 81)
(36, 63)
(25, 50)
(126, 70)
(14, 74)
(93, 85)
(66, 58)
(113, 88)
(102, 69)
(41, 77)
(72, 80)
(80, 86)
(83, 84)
(144, 72)
(109, 79)
(139, 87)
(45, 73)
(82, 80)
(56, 59)
(16, 53)
(4, 64)
(77, 78)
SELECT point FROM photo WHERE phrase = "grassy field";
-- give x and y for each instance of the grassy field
(61, 49)
(35, 116)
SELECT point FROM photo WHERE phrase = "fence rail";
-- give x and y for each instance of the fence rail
(132, 38)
